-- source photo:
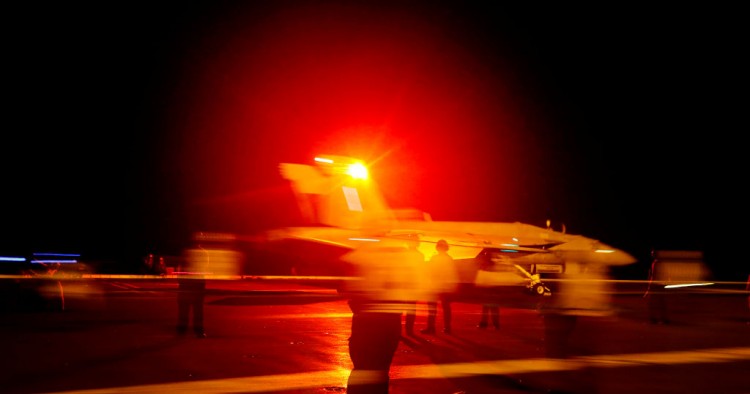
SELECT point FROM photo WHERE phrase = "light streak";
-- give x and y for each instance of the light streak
(9, 258)
(54, 261)
(686, 285)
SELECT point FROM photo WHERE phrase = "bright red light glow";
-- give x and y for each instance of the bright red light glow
(357, 171)
(393, 86)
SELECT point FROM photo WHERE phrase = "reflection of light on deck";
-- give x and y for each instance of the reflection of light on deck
(339, 376)
(332, 315)
(254, 384)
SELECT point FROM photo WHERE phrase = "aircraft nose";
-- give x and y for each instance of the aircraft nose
(612, 256)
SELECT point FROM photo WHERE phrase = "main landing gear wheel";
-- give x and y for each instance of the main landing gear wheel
(538, 289)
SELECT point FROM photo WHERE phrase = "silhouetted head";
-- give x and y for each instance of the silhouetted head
(442, 246)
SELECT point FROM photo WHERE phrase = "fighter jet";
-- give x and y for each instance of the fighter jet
(347, 211)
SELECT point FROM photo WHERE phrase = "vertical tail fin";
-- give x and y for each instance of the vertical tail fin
(337, 192)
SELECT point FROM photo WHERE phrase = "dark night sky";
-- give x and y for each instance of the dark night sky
(129, 126)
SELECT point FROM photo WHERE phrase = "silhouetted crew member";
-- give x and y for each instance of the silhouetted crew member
(413, 261)
(443, 281)
(192, 289)
(655, 293)
(148, 264)
(489, 311)
(582, 297)
(215, 254)
(378, 297)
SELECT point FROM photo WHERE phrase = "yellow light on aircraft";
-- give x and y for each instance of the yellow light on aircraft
(604, 251)
(357, 171)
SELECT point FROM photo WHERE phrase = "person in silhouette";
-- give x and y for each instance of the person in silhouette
(490, 311)
(443, 281)
(213, 255)
(413, 261)
(655, 294)
(191, 290)
(382, 290)
(582, 300)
